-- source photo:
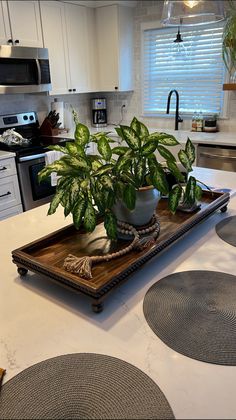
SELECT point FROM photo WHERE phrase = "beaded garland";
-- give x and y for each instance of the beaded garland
(83, 265)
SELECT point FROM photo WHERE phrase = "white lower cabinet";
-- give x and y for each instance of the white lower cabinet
(10, 199)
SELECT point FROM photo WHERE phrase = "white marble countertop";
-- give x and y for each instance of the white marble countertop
(219, 138)
(4, 154)
(40, 319)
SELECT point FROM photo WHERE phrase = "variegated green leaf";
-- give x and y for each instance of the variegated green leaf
(120, 132)
(82, 134)
(109, 199)
(175, 171)
(165, 153)
(185, 160)
(198, 192)
(104, 149)
(131, 137)
(149, 148)
(57, 166)
(122, 161)
(159, 180)
(110, 225)
(129, 196)
(163, 138)
(190, 151)
(71, 148)
(119, 189)
(104, 169)
(152, 163)
(58, 148)
(139, 173)
(89, 218)
(106, 181)
(119, 150)
(190, 192)
(74, 191)
(174, 198)
(96, 164)
(55, 202)
(78, 213)
(140, 129)
(76, 162)
(127, 177)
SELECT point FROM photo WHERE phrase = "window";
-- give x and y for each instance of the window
(194, 68)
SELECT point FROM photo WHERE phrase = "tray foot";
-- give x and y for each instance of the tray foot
(22, 271)
(224, 209)
(97, 307)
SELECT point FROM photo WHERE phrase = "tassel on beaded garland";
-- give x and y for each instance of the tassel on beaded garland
(81, 266)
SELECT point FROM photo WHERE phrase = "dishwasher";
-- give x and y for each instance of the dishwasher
(217, 157)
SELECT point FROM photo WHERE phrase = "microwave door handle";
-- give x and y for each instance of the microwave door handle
(38, 71)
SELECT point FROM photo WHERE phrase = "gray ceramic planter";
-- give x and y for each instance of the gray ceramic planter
(146, 202)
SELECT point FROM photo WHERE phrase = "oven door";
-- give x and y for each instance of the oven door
(33, 193)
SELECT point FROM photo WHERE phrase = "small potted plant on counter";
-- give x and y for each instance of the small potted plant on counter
(120, 183)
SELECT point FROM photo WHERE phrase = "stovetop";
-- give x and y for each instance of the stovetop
(27, 125)
(37, 145)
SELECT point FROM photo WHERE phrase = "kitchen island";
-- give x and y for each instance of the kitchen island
(40, 319)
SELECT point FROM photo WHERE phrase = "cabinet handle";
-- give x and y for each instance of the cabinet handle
(116, 87)
(70, 90)
(4, 195)
(10, 41)
(17, 41)
(74, 90)
(3, 168)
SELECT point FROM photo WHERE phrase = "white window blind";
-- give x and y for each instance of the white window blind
(196, 73)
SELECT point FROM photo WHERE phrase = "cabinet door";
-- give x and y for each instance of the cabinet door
(25, 23)
(107, 43)
(114, 27)
(5, 32)
(77, 47)
(54, 35)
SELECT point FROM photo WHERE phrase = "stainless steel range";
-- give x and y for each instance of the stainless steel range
(30, 158)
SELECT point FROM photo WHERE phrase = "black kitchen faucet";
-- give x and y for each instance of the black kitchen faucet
(177, 117)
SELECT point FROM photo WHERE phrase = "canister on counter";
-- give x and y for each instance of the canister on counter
(210, 124)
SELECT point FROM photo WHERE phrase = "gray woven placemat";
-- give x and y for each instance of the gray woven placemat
(194, 313)
(226, 230)
(83, 386)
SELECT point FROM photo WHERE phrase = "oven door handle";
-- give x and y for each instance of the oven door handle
(32, 157)
(38, 71)
(217, 156)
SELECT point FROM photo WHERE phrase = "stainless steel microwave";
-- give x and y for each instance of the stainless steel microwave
(24, 70)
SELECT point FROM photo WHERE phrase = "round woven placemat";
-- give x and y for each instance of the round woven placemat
(226, 230)
(194, 313)
(83, 386)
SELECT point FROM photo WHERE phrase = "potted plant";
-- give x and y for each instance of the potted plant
(95, 184)
(229, 41)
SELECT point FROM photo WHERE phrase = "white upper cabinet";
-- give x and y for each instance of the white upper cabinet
(20, 23)
(114, 28)
(67, 30)
(54, 36)
(5, 32)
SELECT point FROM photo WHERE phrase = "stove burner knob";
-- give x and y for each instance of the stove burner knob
(31, 117)
(25, 117)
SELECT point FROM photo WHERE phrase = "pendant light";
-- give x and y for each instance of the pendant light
(178, 50)
(192, 12)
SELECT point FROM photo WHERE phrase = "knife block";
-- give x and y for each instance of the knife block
(47, 130)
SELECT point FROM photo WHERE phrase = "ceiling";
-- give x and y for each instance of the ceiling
(99, 3)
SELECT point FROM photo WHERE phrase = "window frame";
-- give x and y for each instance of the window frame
(224, 114)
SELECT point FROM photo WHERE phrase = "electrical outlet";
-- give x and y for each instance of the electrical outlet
(124, 104)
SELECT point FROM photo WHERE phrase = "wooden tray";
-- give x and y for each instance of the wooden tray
(46, 255)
